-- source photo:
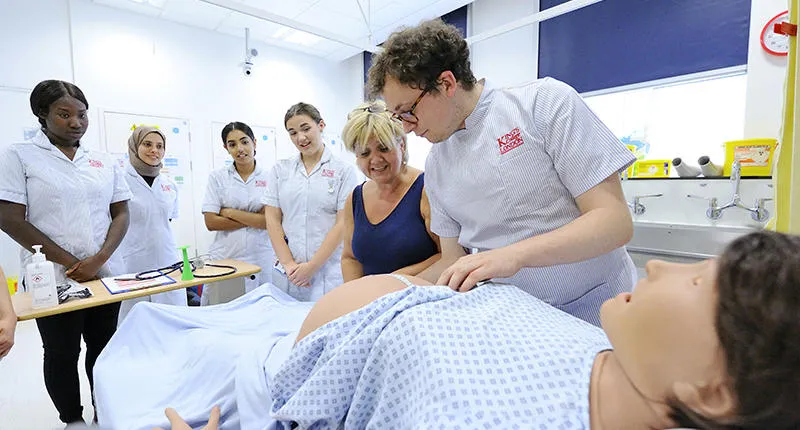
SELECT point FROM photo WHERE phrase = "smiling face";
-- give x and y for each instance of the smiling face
(664, 333)
(379, 162)
(66, 121)
(241, 147)
(151, 149)
(306, 134)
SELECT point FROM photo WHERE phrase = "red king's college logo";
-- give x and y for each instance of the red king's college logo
(510, 141)
(95, 163)
(261, 184)
(328, 173)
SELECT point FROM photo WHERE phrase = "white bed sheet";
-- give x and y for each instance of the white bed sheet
(193, 358)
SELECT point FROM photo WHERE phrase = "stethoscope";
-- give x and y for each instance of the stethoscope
(153, 274)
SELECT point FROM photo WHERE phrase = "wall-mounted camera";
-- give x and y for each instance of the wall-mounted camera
(249, 54)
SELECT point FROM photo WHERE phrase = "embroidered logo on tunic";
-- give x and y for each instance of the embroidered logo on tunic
(95, 163)
(261, 184)
(510, 141)
(328, 173)
(166, 187)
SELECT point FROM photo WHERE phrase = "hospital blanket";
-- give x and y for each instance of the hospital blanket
(192, 358)
(427, 357)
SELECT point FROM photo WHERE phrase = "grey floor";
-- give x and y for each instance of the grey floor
(24, 403)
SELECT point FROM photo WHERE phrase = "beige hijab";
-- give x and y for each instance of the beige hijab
(134, 141)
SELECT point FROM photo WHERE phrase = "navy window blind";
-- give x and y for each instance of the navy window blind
(621, 42)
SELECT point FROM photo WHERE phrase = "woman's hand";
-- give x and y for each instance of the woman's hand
(302, 274)
(86, 269)
(8, 324)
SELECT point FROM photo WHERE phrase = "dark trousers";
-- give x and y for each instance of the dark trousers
(61, 339)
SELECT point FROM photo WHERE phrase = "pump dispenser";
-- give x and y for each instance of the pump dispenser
(40, 278)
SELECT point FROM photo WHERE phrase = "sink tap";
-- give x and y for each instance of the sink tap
(637, 207)
(736, 178)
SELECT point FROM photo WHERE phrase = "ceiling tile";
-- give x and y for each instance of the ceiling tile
(196, 13)
(287, 8)
(140, 8)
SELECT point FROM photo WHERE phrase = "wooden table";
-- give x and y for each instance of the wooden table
(101, 296)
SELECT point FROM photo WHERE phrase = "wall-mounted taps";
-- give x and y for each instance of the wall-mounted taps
(758, 212)
(637, 207)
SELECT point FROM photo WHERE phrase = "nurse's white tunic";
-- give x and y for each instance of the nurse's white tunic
(309, 203)
(150, 242)
(226, 189)
(67, 200)
(526, 153)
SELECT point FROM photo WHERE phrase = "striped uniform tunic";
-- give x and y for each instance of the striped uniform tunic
(514, 172)
(67, 200)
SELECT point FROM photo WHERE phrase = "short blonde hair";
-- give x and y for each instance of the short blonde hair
(373, 120)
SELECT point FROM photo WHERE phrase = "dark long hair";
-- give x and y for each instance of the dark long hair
(758, 324)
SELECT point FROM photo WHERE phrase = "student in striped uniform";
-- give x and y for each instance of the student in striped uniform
(526, 176)
(57, 192)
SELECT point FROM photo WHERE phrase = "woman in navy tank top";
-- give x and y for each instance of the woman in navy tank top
(387, 224)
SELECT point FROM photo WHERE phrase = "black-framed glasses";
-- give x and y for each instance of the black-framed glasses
(408, 116)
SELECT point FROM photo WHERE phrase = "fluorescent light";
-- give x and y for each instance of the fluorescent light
(283, 31)
(302, 38)
(154, 3)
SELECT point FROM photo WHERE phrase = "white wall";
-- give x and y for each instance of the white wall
(138, 64)
(765, 76)
(511, 58)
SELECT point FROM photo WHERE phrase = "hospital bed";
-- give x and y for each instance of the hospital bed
(423, 357)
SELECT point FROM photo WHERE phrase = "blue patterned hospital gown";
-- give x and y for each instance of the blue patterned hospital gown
(427, 357)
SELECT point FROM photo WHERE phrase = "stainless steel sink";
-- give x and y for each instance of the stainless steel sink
(679, 242)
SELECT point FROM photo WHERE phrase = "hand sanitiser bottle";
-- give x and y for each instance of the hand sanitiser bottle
(40, 277)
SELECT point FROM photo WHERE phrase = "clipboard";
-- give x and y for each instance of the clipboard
(125, 283)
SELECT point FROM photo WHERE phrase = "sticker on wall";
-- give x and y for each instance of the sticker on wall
(176, 130)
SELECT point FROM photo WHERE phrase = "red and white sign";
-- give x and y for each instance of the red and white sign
(509, 141)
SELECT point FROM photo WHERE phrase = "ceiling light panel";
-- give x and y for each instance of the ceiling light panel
(195, 13)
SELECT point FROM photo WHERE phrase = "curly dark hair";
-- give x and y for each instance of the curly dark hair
(416, 57)
(758, 324)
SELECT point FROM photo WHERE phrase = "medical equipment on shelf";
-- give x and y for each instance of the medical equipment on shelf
(187, 266)
(186, 274)
(685, 170)
(709, 169)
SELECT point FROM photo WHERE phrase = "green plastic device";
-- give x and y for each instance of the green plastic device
(187, 274)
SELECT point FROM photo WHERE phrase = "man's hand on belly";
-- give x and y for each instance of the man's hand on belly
(467, 271)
